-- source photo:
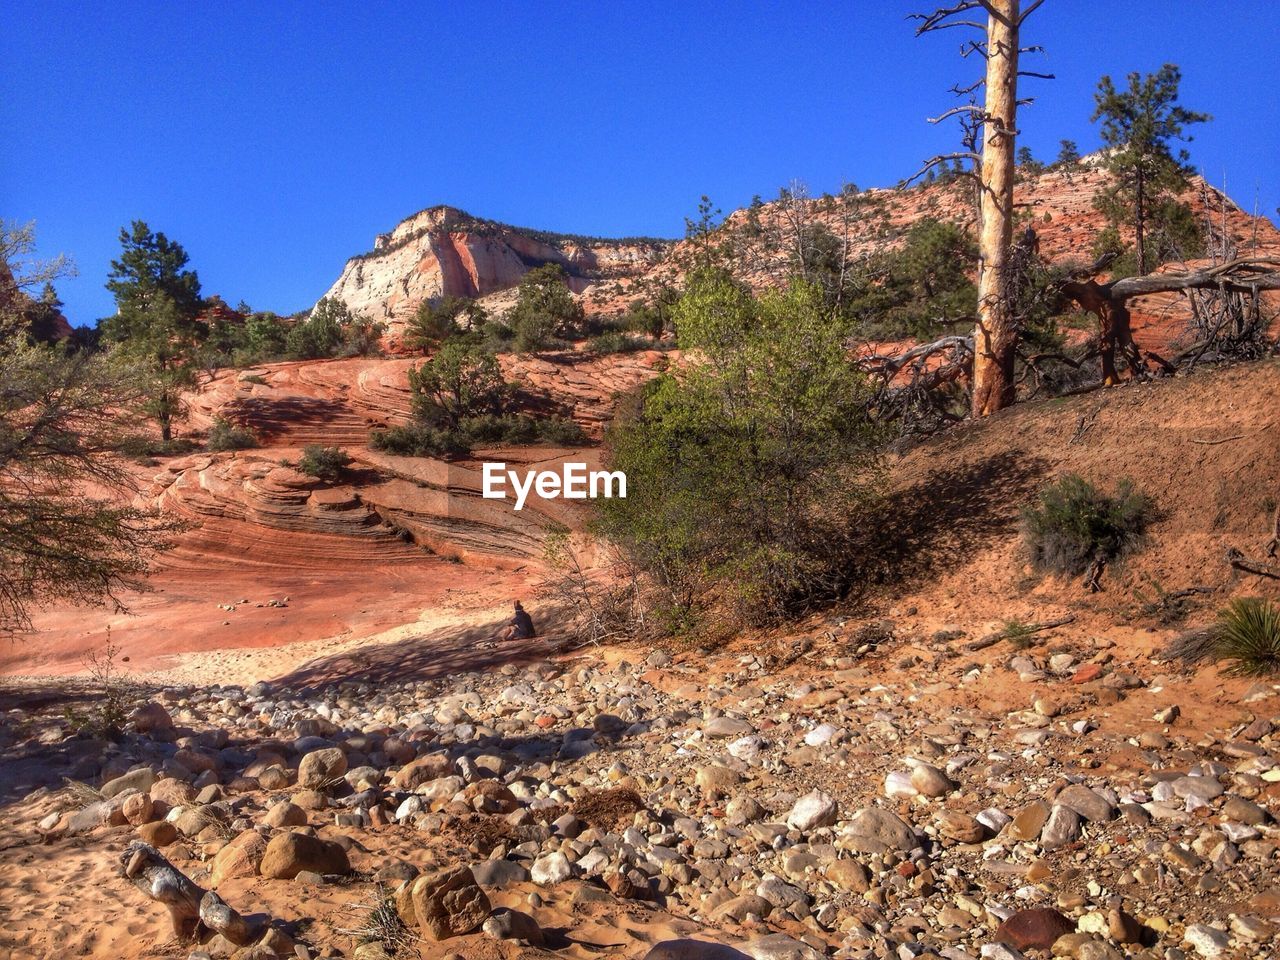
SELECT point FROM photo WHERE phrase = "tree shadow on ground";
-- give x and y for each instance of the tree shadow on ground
(430, 656)
(951, 513)
(28, 710)
(274, 417)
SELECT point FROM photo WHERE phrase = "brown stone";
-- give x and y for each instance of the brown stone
(423, 770)
(1034, 929)
(239, 858)
(138, 808)
(1030, 821)
(290, 853)
(158, 833)
(448, 903)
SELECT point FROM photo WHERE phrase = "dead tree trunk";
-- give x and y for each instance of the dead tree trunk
(192, 910)
(996, 335)
(1109, 302)
(996, 332)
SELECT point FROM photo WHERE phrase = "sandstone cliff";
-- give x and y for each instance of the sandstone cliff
(442, 251)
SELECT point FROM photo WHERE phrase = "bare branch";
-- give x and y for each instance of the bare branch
(1035, 5)
(943, 158)
(960, 91)
(971, 108)
(1038, 76)
(940, 18)
(995, 13)
(1243, 274)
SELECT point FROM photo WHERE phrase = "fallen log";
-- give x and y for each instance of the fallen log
(193, 910)
(1259, 568)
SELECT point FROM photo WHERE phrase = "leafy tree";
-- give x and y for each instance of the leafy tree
(1068, 155)
(545, 310)
(362, 336)
(907, 291)
(1139, 126)
(436, 321)
(745, 467)
(331, 328)
(460, 380)
(44, 318)
(61, 415)
(1028, 164)
(460, 399)
(265, 337)
(155, 328)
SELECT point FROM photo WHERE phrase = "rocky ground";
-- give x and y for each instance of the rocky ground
(881, 795)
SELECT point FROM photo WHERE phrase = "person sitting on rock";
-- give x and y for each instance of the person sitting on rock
(520, 627)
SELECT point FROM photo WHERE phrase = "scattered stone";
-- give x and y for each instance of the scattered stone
(448, 903)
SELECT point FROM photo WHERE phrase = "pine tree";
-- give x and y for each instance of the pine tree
(157, 301)
(1139, 126)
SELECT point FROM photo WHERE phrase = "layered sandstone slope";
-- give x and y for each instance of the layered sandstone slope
(340, 401)
(1057, 205)
(442, 251)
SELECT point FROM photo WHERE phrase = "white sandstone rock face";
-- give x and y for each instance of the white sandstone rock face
(443, 251)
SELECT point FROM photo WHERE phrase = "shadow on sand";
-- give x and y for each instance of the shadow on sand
(952, 512)
(448, 650)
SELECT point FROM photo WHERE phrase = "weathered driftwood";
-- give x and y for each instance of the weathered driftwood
(1259, 568)
(991, 639)
(1109, 302)
(193, 910)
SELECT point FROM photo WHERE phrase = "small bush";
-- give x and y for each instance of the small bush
(144, 448)
(419, 440)
(616, 342)
(1019, 634)
(323, 463)
(1247, 637)
(1075, 525)
(423, 440)
(225, 435)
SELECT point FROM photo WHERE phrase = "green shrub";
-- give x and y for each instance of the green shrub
(419, 440)
(1075, 525)
(1247, 637)
(749, 468)
(436, 321)
(545, 314)
(225, 435)
(461, 380)
(144, 448)
(616, 342)
(323, 463)
(423, 440)
(333, 329)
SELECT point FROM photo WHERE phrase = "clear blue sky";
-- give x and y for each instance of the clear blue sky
(275, 139)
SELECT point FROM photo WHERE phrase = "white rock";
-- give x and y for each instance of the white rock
(823, 734)
(551, 869)
(898, 786)
(1206, 940)
(814, 809)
